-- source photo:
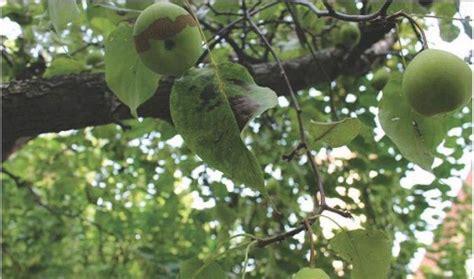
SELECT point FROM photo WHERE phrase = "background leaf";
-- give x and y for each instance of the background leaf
(311, 273)
(125, 74)
(368, 251)
(62, 12)
(447, 30)
(335, 134)
(64, 65)
(191, 269)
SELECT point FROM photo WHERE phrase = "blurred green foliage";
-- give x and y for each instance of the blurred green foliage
(104, 202)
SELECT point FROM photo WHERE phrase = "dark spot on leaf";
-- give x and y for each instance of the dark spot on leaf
(162, 29)
(237, 82)
(243, 108)
(209, 98)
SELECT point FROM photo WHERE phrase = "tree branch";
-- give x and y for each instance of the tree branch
(35, 106)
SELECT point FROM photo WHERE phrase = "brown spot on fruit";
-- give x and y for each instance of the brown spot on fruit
(162, 29)
(169, 44)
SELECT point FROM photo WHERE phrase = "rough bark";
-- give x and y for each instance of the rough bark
(35, 106)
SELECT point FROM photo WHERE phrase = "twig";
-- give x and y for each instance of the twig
(311, 241)
(296, 106)
(330, 12)
(414, 24)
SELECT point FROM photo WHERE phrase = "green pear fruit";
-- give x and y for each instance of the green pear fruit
(380, 79)
(167, 39)
(437, 82)
(349, 35)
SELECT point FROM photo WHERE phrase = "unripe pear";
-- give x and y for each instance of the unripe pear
(380, 79)
(349, 35)
(437, 82)
(167, 38)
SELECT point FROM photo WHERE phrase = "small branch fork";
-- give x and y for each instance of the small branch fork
(222, 32)
(322, 206)
(246, 24)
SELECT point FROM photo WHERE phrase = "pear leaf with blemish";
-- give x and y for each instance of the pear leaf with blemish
(210, 110)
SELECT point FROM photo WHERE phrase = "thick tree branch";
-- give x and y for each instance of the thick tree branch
(35, 106)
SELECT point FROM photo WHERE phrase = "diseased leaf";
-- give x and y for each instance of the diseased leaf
(61, 12)
(209, 116)
(195, 269)
(125, 74)
(417, 137)
(311, 273)
(335, 133)
(64, 66)
(369, 252)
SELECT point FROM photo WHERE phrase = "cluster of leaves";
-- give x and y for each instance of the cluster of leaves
(107, 202)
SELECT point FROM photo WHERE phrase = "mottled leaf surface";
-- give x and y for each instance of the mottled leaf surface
(369, 252)
(415, 136)
(125, 74)
(311, 273)
(209, 115)
(335, 134)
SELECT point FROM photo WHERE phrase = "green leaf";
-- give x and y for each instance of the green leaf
(195, 269)
(138, 4)
(62, 12)
(225, 214)
(415, 136)
(104, 17)
(403, 5)
(444, 8)
(311, 273)
(224, 6)
(369, 251)
(335, 134)
(467, 26)
(447, 30)
(125, 74)
(209, 116)
(64, 66)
